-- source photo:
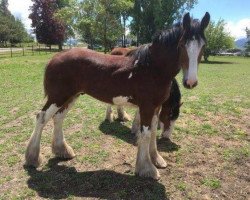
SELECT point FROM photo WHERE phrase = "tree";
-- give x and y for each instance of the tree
(11, 30)
(4, 7)
(248, 40)
(152, 15)
(18, 33)
(125, 13)
(217, 39)
(47, 28)
(97, 21)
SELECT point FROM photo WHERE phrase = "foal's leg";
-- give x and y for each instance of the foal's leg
(109, 114)
(32, 155)
(144, 166)
(122, 115)
(59, 146)
(136, 123)
(155, 156)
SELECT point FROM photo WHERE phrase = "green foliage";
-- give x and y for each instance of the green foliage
(152, 15)
(217, 38)
(97, 21)
(11, 30)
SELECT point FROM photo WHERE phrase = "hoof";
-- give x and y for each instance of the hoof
(63, 151)
(158, 161)
(32, 159)
(148, 171)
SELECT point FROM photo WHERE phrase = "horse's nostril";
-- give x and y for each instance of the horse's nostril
(190, 84)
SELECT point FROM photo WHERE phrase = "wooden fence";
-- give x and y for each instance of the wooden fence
(29, 50)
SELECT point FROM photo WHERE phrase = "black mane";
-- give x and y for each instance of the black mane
(168, 37)
(141, 55)
(171, 36)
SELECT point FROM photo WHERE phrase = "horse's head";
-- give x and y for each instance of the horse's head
(191, 47)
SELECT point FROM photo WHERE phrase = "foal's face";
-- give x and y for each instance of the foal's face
(191, 49)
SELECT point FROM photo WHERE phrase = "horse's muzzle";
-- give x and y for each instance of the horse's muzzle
(189, 84)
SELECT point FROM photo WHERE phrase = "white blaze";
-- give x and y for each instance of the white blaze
(193, 48)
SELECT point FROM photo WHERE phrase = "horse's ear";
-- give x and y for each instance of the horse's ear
(186, 23)
(205, 21)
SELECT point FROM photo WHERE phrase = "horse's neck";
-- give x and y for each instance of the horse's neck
(167, 62)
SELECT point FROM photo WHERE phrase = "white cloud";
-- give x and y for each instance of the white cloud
(237, 29)
(20, 9)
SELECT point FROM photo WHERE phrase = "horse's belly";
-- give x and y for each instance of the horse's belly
(119, 100)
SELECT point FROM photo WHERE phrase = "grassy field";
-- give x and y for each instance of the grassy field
(208, 157)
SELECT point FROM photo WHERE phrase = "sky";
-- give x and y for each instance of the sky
(236, 13)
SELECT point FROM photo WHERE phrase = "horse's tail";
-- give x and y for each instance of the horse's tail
(175, 100)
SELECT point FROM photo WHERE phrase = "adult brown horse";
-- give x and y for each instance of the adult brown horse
(142, 79)
(169, 112)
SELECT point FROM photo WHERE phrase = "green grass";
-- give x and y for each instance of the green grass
(210, 139)
(211, 182)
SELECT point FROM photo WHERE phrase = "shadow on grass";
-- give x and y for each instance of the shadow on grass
(217, 62)
(118, 130)
(59, 181)
(166, 145)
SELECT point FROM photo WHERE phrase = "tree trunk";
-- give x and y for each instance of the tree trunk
(206, 54)
(124, 23)
(206, 58)
(137, 38)
(105, 36)
(60, 47)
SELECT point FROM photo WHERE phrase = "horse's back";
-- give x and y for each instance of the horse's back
(119, 51)
(86, 57)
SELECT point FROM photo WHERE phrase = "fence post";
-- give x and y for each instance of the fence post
(45, 49)
(23, 50)
(11, 51)
(39, 48)
(32, 50)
